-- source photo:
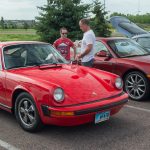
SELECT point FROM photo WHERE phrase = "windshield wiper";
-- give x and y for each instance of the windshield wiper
(51, 65)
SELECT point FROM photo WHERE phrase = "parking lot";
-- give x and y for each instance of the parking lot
(128, 130)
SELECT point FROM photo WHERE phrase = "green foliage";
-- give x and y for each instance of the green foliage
(2, 23)
(61, 13)
(25, 26)
(99, 24)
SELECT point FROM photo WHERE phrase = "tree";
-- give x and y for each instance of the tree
(25, 25)
(12, 25)
(2, 23)
(99, 24)
(61, 13)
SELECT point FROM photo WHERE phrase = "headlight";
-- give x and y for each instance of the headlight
(119, 83)
(58, 95)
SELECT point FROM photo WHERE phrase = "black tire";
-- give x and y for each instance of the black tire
(26, 113)
(136, 85)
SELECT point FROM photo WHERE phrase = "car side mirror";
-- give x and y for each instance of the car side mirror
(104, 53)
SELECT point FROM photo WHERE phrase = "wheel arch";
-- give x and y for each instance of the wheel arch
(133, 70)
(16, 93)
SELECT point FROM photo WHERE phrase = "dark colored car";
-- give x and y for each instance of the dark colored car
(127, 59)
(131, 30)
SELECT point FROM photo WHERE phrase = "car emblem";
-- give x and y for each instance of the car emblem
(94, 94)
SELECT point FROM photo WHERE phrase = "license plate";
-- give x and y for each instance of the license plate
(100, 117)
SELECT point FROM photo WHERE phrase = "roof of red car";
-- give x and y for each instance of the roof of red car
(2, 44)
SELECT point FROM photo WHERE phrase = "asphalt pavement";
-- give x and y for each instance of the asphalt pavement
(128, 130)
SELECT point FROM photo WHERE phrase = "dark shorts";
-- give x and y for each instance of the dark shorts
(88, 64)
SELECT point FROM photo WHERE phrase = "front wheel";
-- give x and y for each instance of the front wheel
(26, 113)
(136, 85)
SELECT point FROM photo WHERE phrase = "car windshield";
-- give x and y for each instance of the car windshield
(145, 42)
(25, 55)
(127, 48)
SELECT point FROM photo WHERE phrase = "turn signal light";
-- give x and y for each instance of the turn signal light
(61, 113)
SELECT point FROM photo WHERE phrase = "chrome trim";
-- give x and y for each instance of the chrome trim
(5, 106)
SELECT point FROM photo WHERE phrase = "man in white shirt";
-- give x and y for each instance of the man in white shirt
(88, 43)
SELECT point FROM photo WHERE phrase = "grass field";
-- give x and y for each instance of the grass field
(18, 35)
(30, 34)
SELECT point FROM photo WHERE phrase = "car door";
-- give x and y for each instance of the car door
(2, 85)
(103, 63)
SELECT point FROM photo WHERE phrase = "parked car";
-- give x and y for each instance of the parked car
(131, 30)
(40, 87)
(127, 59)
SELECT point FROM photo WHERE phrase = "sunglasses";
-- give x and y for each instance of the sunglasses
(64, 33)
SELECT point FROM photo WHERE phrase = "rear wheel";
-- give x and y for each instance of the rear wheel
(136, 85)
(26, 113)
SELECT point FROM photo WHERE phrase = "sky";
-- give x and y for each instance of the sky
(27, 9)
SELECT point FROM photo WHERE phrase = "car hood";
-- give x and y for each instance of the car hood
(126, 27)
(81, 84)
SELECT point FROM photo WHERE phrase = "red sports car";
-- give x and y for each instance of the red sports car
(127, 59)
(40, 87)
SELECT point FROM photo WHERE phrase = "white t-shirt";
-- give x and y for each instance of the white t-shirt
(88, 38)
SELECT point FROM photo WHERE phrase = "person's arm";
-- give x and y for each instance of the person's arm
(87, 50)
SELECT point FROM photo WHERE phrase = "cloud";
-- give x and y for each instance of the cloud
(20, 9)
(27, 9)
(128, 6)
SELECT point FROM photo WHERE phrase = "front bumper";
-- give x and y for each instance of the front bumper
(83, 113)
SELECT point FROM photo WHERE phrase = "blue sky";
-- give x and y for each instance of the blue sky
(27, 9)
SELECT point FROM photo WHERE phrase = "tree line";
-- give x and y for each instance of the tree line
(17, 24)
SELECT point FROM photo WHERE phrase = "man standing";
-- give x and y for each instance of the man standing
(63, 44)
(88, 43)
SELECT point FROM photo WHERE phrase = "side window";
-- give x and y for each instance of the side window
(99, 46)
(13, 56)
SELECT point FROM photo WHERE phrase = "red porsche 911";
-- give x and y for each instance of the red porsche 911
(39, 87)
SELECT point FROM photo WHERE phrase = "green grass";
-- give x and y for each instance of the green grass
(18, 35)
(17, 31)
(30, 34)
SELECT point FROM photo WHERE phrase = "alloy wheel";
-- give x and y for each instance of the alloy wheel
(135, 86)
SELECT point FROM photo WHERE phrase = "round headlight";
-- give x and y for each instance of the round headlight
(58, 95)
(119, 83)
